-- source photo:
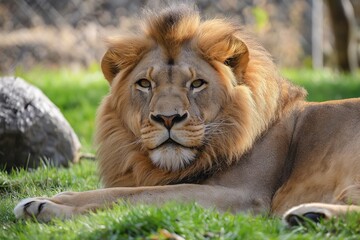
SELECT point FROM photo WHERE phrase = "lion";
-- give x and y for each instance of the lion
(198, 112)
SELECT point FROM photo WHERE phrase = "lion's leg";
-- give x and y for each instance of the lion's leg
(316, 211)
(66, 205)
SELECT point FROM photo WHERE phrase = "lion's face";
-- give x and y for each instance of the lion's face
(186, 95)
(171, 106)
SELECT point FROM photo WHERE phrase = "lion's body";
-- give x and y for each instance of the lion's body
(324, 155)
(198, 112)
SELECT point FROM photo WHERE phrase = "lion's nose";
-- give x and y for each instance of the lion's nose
(169, 121)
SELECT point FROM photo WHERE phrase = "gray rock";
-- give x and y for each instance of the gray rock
(32, 129)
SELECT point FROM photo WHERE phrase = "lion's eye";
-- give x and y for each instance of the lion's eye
(144, 83)
(198, 83)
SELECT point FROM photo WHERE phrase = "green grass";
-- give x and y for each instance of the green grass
(77, 94)
(325, 85)
(141, 221)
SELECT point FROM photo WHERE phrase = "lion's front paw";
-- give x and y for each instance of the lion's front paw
(311, 211)
(42, 209)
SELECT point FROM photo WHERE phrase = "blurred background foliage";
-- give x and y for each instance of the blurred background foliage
(70, 33)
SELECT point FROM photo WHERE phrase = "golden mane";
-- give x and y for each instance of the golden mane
(258, 95)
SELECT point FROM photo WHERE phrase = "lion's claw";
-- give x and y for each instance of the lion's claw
(42, 209)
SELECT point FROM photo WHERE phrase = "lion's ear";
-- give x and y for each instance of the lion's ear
(219, 40)
(109, 65)
(238, 57)
(123, 53)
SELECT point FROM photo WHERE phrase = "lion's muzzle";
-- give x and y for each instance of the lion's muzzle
(172, 141)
